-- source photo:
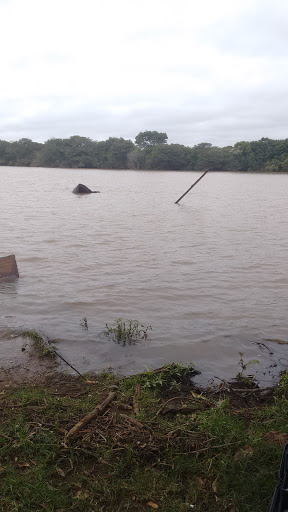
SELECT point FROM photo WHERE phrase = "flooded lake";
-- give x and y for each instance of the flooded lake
(210, 275)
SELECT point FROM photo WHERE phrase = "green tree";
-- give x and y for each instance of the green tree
(277, 165)
(211, 158)
(22, 152)
(117, 157)
(4, 152)
(52, 154)
(148, 138)
(79, 152)
(150, 152)
(245, 157)
(74, 152)
(112, 153)
(136, 159)
(170, 157)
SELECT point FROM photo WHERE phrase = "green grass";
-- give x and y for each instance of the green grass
(215, 456)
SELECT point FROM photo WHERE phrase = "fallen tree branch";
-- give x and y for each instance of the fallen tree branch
(134, 422)
(98, 411)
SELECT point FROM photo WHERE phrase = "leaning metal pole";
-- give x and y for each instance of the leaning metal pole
(176, 202)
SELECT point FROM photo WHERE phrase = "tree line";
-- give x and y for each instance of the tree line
(149, 151)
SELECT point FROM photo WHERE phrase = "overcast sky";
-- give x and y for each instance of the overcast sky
(199, 70)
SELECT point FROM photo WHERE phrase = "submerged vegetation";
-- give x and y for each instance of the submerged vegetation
(150, 151)
(84, 323)
(126, 332)
(146, 447)
(241, 376)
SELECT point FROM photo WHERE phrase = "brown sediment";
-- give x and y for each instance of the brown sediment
(20, 363)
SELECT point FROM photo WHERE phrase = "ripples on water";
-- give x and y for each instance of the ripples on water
(209, 274)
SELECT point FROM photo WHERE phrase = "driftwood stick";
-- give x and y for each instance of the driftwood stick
(176, 202)
(135, 399)
(98, 411)
(134, 422)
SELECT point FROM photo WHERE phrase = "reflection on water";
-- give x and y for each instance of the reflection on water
(209, 274)
(8, 286)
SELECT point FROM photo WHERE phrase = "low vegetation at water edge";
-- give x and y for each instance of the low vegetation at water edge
(155, 442)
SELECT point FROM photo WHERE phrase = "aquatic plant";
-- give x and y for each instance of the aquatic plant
(126, 331)
(84, 323)
(249, 379)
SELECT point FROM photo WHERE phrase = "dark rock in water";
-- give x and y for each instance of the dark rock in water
(82, 189)
(8, 267)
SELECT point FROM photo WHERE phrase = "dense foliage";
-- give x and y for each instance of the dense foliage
(150, 151)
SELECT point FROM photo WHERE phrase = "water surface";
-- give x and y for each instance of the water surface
(210, 275)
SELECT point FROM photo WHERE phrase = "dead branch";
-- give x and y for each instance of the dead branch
(134, 422)
(6, 437)
(126, 407)
(170, 400)
(176, 202)
(98, 411)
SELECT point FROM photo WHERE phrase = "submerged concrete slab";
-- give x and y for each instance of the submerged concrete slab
(8, 267)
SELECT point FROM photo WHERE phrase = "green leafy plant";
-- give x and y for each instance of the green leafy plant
(170, 376)
(126, 332)
(249, 379)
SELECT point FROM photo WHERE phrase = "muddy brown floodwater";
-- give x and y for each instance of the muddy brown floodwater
(209, 275)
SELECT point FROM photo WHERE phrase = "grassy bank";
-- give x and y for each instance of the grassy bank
(159, 444)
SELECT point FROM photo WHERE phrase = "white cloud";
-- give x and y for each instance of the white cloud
(205, 70)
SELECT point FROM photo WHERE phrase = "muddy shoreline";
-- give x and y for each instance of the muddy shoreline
(28, 357)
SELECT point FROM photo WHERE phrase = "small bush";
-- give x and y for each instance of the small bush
(170, 376)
